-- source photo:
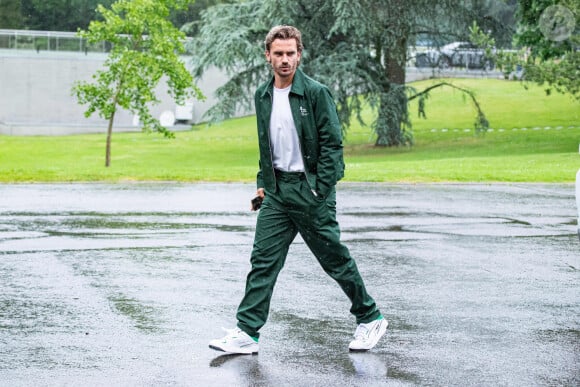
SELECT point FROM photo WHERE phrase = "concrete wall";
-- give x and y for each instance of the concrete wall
(36, 98)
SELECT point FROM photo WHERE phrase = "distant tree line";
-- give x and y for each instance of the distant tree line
(70, 15)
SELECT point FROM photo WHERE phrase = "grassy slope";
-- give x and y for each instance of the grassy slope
(445, 151)
(228, 152)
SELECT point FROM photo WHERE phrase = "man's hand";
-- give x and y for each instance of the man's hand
(257, 201)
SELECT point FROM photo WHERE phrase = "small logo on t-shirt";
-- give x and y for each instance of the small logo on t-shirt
(303, 111)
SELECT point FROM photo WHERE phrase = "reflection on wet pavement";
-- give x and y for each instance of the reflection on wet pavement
(125, 284)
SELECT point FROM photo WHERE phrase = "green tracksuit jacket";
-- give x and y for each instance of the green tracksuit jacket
(318, 128)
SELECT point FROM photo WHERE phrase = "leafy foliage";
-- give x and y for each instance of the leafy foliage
(10, 16)
(357, 48)
(145, 48)
(59, 15)
(529, 33)
(555, 64)
(70, 15)
(189, 17)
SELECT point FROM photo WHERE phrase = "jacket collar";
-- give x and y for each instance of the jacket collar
(297, 84)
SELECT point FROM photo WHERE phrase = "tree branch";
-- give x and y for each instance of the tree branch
(481, 123)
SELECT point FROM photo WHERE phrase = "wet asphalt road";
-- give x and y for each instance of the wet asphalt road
(125, 284)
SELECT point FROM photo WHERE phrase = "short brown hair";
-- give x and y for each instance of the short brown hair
(284, 32)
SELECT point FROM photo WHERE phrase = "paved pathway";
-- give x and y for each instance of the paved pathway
(125, 284)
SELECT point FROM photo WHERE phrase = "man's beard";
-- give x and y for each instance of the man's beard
(284, 70)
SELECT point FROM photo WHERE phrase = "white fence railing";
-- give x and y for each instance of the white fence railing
(48, 41)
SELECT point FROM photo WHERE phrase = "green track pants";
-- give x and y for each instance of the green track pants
(293, 209)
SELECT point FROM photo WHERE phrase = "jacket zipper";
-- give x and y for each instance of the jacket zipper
(303, 161)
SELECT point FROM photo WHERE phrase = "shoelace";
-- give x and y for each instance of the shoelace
(231, 333)
(361, 332)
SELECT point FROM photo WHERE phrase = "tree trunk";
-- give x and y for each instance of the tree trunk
(393, 105)
(109, 134)
(392, 114)
(396, 66)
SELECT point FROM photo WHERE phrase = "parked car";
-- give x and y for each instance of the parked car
(456, 54)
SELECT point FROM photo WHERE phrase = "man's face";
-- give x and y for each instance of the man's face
(284, 57)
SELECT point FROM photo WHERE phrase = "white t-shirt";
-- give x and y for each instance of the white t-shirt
(286, 154)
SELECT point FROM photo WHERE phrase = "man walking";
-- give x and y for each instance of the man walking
(301, 160)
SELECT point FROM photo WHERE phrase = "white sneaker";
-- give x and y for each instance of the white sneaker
(367, 335)
(236, 341)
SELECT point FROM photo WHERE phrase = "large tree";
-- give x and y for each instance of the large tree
(189, 18)
(59, 15)
(548, 45)
(358, 48)
(70, 15)
(145, 48)
(548, 29)
(10, 16)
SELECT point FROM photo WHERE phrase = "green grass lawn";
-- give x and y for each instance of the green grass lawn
(444, 149)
